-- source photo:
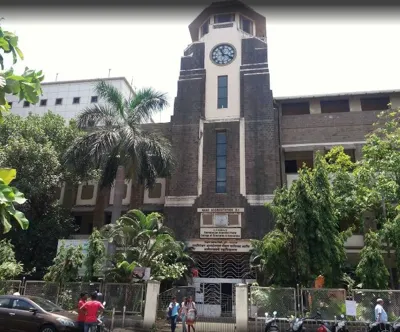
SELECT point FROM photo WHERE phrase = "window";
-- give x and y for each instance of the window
(246, 25)
(375, 104)
(76, 100)
(290, 166)
(295, 108)
(222, 91)
(204, 28)
(26, 104)
(221, 162)
(224, 18)
(93, 99)
(59, 101)
(43, 102)
(90, 228)
(10, 104)
(4, 302)
(21, 305)
(335, 106)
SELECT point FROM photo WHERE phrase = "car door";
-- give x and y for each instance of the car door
(21, 318)
(4, 313)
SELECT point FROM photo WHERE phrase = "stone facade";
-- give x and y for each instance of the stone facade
(266, 139)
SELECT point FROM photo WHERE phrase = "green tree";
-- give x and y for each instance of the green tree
(96, 254)
(66, 265)
(306, 240)
(144, 241)
(379, 180)
(34, 146)
(27, 85)
(9, 197)
(371, 269)
(9, 266)
(116, 143)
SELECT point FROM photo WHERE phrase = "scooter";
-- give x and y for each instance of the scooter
(270, 323)
(296, 325)
(337, 326)
(396, 325)
(380, 327)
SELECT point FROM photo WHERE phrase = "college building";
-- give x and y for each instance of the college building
(234, 145)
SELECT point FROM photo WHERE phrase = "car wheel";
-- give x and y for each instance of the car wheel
(48, 328)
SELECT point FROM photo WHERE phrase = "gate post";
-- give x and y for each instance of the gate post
(150, 306)
(242, 308)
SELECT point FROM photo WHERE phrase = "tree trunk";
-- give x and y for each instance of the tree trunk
(119, 190)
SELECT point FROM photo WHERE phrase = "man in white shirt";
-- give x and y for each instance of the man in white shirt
(380, 313)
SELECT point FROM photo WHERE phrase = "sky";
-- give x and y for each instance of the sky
(317, 52)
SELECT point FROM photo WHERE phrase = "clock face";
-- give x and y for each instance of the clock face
(223, 54)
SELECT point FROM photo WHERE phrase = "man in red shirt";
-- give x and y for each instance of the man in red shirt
(92, 308)
(81, 313)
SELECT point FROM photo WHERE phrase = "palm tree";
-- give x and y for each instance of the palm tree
(116, 143)
(144, 241)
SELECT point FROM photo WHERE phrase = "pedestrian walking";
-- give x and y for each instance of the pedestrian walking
(380, 313)
(191, 314)
(81, 313)
(184, 313)
(92, 308)
(173, 311)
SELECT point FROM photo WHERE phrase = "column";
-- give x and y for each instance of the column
(242, 309)
(151, 304)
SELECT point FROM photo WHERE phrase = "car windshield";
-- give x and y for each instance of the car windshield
(46, 304)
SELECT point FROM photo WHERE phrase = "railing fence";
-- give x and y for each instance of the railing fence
(124, 299)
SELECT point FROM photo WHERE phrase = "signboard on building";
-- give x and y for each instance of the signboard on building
(220, 233)
(219, 245)
(220, 210)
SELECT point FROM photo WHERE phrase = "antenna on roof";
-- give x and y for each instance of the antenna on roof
(56, 77)
(109, 71)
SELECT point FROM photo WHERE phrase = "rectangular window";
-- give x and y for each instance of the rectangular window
(222, 91)
(76, 100)
(221, 162)
(43, 102)
(224, 18)
(59, 101)
(204, 28)
(335, 106)
(299, 108)
(10, 104)
(26, 104)
(246, 25)
(375, 104)
(93, 99)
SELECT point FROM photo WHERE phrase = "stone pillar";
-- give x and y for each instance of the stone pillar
(150, 306)
(242, 309)
(355, 104)
(315, 106)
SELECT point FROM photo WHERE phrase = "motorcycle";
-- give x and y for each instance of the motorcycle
(396, 325)
(380, 327)
(270, 323)
(337, 326)
(296, 324)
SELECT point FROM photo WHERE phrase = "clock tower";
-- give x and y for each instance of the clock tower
(224, 133)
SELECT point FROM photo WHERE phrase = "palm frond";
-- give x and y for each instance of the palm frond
(95, 146)
(98, 115)
(145, 104)
(111, 96)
